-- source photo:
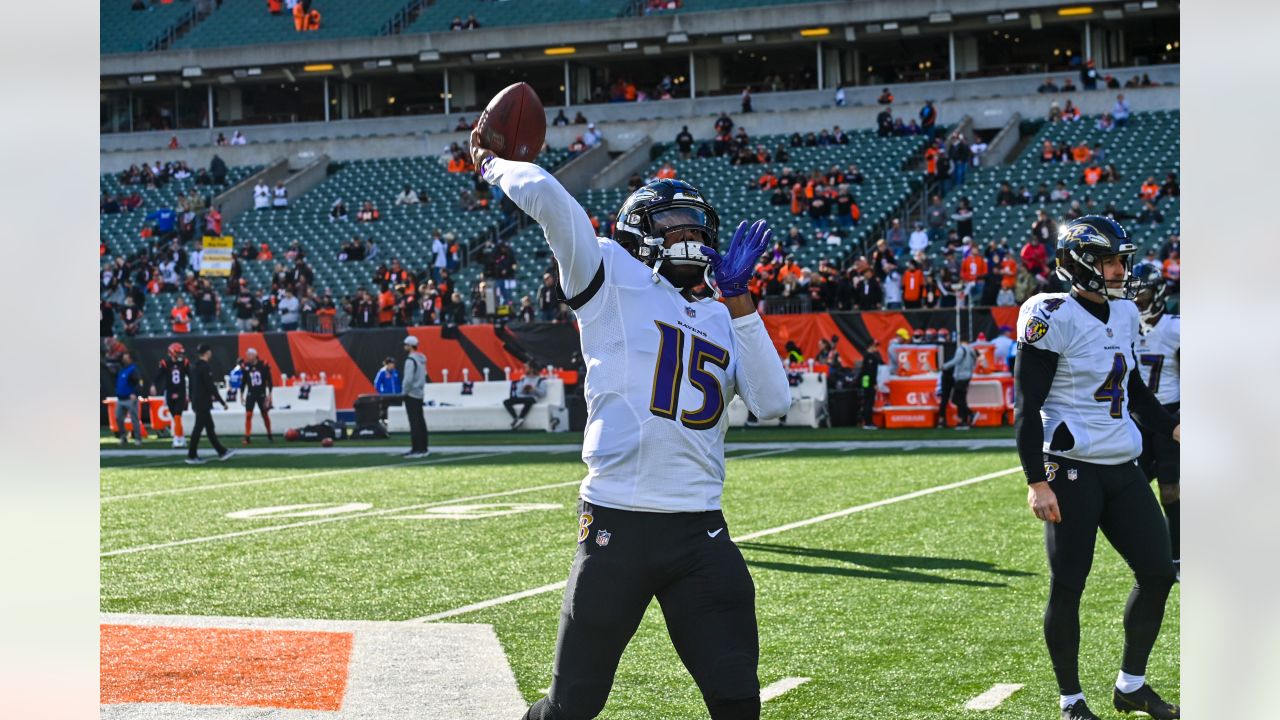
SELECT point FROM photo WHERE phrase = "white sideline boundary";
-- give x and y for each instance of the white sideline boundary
(827, 446)
(749, 536)
(991, 699)
(321, 521)
(785, 685)
(280, 478)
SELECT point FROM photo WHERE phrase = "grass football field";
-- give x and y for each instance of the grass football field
(923, 594)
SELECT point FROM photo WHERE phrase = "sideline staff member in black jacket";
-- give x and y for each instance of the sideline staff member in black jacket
(867, 383)
(203, 393)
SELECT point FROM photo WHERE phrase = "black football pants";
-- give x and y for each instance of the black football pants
(687, 561)
(417, 424)
(204, 423)
(1118, 500)
(1161, 460)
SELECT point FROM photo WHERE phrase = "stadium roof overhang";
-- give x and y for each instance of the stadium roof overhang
(842, 22)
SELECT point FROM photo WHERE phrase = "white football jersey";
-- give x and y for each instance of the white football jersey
(1090, 387)
(1158, 352)
(660, 370)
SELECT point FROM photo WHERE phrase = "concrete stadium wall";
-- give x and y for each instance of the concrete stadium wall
(987, 113)
(975, 89)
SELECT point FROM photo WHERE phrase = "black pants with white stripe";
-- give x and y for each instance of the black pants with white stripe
(687, 561)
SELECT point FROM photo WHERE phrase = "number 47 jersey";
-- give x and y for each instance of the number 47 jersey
(1158, 352)
(660, 374)
(1086, 414)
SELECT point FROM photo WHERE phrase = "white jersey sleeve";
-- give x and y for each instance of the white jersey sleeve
(760, 379)
(566, 225)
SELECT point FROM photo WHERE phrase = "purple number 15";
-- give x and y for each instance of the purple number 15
(670, 367)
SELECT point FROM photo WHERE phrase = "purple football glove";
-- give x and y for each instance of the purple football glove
(734, 269)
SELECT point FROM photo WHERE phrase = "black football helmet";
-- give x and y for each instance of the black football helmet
(659, 208)
(1150, 297)
(1083, 243)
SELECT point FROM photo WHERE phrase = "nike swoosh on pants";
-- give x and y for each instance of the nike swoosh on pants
(713, 534)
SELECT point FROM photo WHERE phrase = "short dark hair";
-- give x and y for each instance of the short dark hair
(203, 348)
(388, 359)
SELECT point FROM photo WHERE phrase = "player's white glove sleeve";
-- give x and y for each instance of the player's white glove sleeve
(565, 223)
(759, 376)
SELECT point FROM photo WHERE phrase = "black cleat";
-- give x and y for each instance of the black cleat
(1144, 699)
(1079, 711)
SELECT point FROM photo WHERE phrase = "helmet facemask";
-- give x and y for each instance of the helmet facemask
(1082, 248)
(682, 263)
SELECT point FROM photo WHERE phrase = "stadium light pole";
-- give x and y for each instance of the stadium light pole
(210, 95)
(820, 83)
(446, 91)
(326, 98)
(951, 51)
(693, 78)
(1088, 41)
(567, 102)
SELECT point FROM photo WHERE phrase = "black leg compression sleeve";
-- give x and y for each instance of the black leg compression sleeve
(1062, 635)
(1143, 615)
(736, 709)
(1172, 515)
(1132, 521)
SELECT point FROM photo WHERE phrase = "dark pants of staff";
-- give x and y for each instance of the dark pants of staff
(944, 397)
(868, 405)
(960, 396)
(417, 424)
(1161, 460)
(688, 562)
(525, 403)
(1117, 500)
(204, 422)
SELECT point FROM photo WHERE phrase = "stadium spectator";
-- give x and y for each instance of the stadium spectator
(840, 96)
(1149, 215)
(456, 25)
(928, 118)
(1120, 112)
(684, 141)
(407, 196)
(280, 196)
(579, 118)
(866, 380)
(1089, 76)
(218, 170)
(868, 293)
(963, 217)
(181, 316)
(289, 309)
(592, 137)
(1048, 86)
(886, 97)
(746, 99)
(131, 316)
(415, 379)
(1150, 191)
(936, 217)
(1060, 192)
(246, 311)
(884, 123)
(368, 212)
(1170, 188)
(238, 138)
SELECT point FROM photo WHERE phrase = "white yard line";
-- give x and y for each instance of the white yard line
(762, 453)
(749, 536)
(992, 698)
(355, 449)
(321, 521)
(280, 478)
(773, 690)
(876, 504)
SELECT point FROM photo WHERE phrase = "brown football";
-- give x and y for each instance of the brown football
(514, 125)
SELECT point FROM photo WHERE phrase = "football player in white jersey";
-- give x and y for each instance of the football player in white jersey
(1077, 377)
(1159, 349)
(662, 366)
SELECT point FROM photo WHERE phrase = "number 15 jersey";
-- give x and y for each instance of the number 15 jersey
(1088, 400)
(660, 370)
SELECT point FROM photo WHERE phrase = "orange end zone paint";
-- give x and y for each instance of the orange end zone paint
(287, 669)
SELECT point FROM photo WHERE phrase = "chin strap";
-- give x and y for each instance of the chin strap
(654, 275)
(709, 276)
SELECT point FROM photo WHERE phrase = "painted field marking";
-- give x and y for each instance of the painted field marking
(750, 536)
(773, 690)
(281, 478)
(762, 453)
(876, 504)
(321, 521)
(992, 698)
